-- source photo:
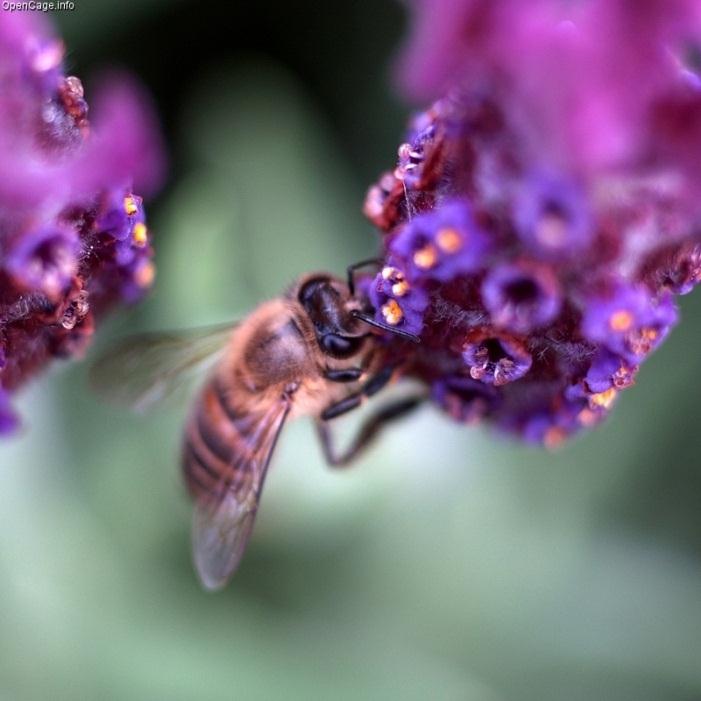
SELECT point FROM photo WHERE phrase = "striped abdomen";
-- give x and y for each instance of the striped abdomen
(222, 443)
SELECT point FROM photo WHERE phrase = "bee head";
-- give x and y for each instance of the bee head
(329, 304)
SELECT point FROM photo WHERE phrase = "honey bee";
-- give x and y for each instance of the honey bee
(311, 352)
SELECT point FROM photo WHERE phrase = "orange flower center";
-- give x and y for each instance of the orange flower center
(400, 288)
(130, 205)
(139, 234)
(145, 275)
(621, 320)
(603, 399)
(449, 240)
(392, 312)
(426, 257)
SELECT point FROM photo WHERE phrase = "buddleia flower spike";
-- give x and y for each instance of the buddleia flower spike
(543, 212)
(74, 240)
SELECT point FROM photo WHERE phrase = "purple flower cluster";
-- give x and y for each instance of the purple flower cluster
(73, 237)
(544, 212)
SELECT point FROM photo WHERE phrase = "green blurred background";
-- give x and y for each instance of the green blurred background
(449, 563)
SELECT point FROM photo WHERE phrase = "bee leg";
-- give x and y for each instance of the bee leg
(367, 433)
(344, 375)
(345, 405)
(372, 386)
(376, 383)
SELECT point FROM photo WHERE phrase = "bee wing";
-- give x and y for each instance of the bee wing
(222, 525)
(141, 370)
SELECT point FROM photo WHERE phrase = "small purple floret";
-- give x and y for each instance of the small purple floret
(552, 217)
(397, 302)
(608, 371)
(521, 297)
(117, 220)
(440, 245)
(463, 398)
(44, 260)
(495, 358)
(629, 321)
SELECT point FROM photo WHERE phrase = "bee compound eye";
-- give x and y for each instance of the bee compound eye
(312, 294)
(339, 346)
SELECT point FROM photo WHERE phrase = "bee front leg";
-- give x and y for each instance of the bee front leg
(342, 407)
(370, 429)
(344, 374)
(372, 386)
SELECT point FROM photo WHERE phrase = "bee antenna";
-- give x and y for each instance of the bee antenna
(350, 271)
(385, 327)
